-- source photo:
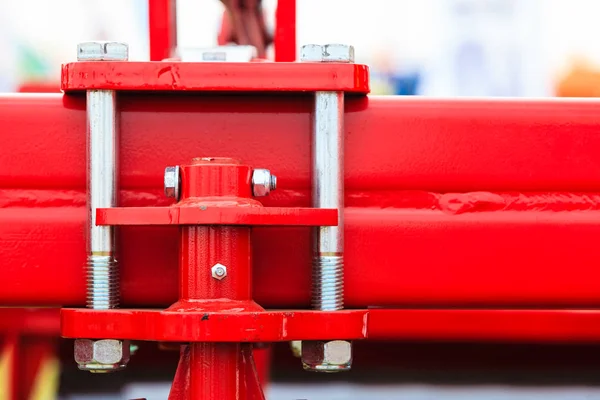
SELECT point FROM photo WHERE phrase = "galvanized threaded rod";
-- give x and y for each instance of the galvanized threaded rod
(102, 156)
(102, 270)
(328, 192)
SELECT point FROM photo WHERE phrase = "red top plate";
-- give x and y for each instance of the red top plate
(221, 77)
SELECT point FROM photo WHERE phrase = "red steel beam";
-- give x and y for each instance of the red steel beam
(450, 202)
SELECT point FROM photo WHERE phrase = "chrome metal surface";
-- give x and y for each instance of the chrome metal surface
(100, 356)
(263, 182)
(327, 356)
(328, 192)
(102, 51)
(218, 271)
(172, 182)
(102, 172)
(340, 53)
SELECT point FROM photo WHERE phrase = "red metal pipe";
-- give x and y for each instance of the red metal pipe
(457, 202)
(285, 31)
(162, 26)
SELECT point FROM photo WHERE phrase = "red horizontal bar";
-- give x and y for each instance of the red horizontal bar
(555, 326)
(392, 143)
(482, 325)
(225, 326)
(225, 77)
(210, 215)
(457, 202)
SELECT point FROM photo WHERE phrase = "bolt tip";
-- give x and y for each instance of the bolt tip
(273, 182)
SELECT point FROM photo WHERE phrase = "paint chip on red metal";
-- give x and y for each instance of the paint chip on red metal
(219, 77)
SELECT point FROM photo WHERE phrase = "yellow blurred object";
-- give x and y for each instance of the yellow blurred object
(582, 80)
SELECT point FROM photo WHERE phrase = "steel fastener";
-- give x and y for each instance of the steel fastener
(263, 182)
(99, 356)
(172, 182)
(102, 51)
(327, 356)
(341, 53)
(219, 271)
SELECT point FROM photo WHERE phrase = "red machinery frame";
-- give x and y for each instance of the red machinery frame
(465, 219)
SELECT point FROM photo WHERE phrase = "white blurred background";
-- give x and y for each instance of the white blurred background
(430, 47)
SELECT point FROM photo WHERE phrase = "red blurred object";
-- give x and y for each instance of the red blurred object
(285, 31)
(162, 23)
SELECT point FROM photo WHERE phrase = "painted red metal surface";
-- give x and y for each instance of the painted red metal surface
(221, 77)
(487, 203)
(207, 215)
(162, 29)
(551, 326)
(214, 326)
(285, 31)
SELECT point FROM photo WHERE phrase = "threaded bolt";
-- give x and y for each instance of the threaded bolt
(328, 283)
(102, 282)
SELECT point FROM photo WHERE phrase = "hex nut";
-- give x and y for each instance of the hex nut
(218, 271)
(103, 355)
(327, 356)
(263, 182)
(172, 182)
(340, 53)
(102, 51)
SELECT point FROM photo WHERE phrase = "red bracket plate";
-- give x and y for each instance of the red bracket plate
(207, 215)
(221, 326)
(220, 77)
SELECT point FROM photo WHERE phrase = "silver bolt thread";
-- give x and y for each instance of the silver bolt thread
(273, 182)
(102, 282)
(328, 283)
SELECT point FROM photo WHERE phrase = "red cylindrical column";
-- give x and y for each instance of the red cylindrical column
(215, 264)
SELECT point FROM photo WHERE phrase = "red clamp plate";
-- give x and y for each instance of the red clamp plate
(208, 215)
(219, 77)
(222, 326)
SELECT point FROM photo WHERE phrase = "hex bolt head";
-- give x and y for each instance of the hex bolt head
(172, 182)
(104, 355)
(218, 271)
(340, 53)
(327, 356)
(263, 182)
(102, 51)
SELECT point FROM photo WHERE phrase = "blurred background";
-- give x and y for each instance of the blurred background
(523, 48)
(425, 47)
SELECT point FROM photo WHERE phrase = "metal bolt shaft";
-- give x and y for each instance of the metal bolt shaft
(328, 192)
(102, 157)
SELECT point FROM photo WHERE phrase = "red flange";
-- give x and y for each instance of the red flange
(220, 77)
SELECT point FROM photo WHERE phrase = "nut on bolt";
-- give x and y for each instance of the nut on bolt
(102, 51)
(263, 182)
(341, 53)
(327, 356)
(172, 182)
(103, 355)
(219, 271)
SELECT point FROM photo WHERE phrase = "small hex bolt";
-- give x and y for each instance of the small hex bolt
(102, 51)
(172, 182)
(327, 356)
(219, 271)
(263, 182)
(103, 355)
(340, 53)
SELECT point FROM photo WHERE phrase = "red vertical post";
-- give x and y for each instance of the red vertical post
(285, 31)
(215, 267)
(162, 27)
